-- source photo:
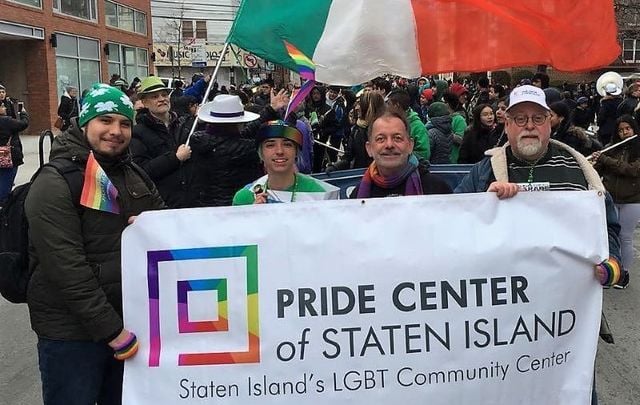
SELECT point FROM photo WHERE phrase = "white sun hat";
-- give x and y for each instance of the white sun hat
(225, 109)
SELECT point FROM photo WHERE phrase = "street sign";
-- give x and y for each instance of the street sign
(250, 60)
(199, 64)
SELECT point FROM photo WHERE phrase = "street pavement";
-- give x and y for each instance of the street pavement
(618, 365)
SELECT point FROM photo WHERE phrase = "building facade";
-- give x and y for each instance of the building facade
(48, 45)
(188, 38)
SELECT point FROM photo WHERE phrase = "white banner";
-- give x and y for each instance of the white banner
(447, 299)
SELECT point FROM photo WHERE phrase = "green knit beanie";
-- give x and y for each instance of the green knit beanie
(438, 109)
(103, 99)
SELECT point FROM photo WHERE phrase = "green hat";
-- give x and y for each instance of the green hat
(152, 84)
(438, 109)
(103, 99)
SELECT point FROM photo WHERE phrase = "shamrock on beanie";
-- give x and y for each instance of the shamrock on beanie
(103, 99)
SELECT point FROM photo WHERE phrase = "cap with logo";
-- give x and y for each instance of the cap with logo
(527, 94)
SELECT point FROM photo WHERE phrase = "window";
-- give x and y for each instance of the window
(32, 3)
(111, 14)
(126, 18)
(85, 9)
(77, 62)
(128, 62)
(631, 50)
(187, 29)
(141, 23)
(201, 29)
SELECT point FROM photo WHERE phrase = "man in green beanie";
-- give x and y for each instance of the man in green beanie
(77, 207)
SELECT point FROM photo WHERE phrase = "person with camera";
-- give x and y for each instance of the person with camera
(10, 148)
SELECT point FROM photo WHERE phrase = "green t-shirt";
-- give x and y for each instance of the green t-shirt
(305, 188)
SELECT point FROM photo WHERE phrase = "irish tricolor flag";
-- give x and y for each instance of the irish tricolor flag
(352, 41)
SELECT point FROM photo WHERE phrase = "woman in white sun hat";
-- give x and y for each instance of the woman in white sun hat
(225, 157)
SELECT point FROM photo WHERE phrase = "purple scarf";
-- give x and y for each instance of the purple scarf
(413, 185)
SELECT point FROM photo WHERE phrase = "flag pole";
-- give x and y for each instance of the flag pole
(206, 93)
(615, 145)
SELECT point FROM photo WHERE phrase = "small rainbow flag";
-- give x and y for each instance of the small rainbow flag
(299, 96)
(307, 71)
(306, 67)
(98, 192)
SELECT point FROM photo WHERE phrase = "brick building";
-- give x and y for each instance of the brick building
(47, 45)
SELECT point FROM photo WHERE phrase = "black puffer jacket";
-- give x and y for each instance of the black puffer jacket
(75, 290)
(223, 163)
(10, 130)
(440, 139)
(154, 147)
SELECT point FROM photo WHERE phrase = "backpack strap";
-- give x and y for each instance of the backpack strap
(72, 173)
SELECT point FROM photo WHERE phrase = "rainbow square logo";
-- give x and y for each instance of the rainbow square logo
(218, 325)
(221, 323)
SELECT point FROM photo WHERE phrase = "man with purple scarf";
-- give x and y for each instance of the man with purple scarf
(395, 170)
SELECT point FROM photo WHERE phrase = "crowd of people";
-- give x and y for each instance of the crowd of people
(164, 147)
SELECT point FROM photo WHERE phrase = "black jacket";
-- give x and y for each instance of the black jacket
(607, 115)
(10, 129)
(224, 162)
(67, 109)
(355, 153)
(475, 142)
(582, 117)
(75, 291)
(153, 147)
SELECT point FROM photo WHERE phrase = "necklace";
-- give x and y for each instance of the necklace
(275, 196)
(533, 166)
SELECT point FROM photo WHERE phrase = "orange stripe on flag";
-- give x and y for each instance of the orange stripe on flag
(463, 35)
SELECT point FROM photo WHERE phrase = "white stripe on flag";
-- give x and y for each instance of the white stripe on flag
(364, 39)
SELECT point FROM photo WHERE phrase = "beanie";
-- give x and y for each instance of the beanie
(103, 99)
(438, 109)
(427, 94)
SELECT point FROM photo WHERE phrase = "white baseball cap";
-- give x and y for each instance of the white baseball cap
(613, 89)
(527, 93)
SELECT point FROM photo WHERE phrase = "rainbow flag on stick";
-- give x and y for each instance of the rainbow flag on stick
(98, 192)
(307, 70)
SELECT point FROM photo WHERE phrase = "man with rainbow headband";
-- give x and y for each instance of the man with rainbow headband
(278, 147)
(77, 207)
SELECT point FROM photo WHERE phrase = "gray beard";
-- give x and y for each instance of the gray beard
(530, 152)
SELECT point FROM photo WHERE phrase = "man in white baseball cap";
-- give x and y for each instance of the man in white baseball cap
(533, 162)
(225, 156)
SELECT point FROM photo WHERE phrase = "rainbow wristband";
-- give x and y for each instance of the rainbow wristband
(127, 349)
(613, 271)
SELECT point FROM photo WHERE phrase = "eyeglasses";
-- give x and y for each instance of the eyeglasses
(521, 120)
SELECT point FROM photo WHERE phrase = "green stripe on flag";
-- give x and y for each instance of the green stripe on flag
(261, 26)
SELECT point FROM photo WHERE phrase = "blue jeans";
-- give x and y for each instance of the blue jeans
(7, 176)
(79, 373)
